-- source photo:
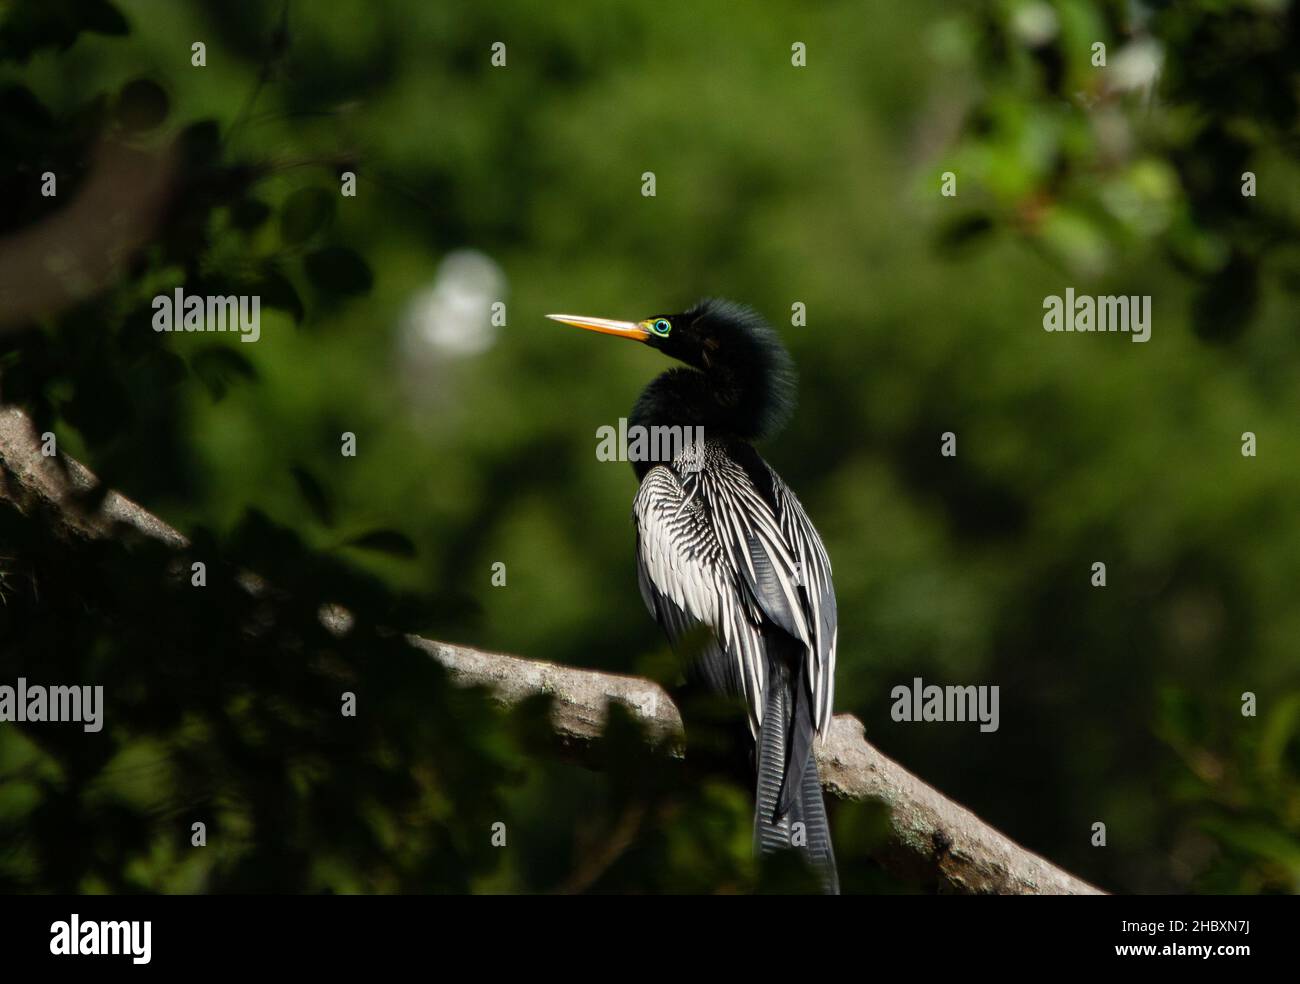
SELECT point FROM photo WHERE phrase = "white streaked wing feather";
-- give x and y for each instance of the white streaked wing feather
(750, 533)
(682, 558)
(798, 531)
(709, 543)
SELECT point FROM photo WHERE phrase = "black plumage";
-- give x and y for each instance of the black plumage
(723, 543)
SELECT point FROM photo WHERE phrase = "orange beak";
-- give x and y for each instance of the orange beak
(622, 329)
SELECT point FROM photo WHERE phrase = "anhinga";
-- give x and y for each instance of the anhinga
(723, 543)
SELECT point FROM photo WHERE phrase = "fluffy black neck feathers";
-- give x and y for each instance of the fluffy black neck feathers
(741, 381)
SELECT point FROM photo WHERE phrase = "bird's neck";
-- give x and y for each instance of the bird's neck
(747, 401)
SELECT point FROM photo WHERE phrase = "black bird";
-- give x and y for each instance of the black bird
(723, 543)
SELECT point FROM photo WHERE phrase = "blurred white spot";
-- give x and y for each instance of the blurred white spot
(1137, 66)
(453, 317)
(1035, 24)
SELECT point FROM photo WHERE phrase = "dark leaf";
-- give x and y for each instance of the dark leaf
(102, 17)
(385, 541)
(23, 117)
(30, 25)
(307, 212)
(277, 292)
(338, 270)
(314, 493)
(218, 366)
(280, 36)
(963, 231)
(141, 105)
(1228, 302)
(200, 145)
(248, 214)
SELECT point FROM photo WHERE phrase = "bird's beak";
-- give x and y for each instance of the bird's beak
(623, 329)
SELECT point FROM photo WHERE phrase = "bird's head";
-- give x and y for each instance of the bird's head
(749, 373)
(712, 334)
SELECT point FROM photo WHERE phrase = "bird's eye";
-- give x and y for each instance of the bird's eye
(660, 326)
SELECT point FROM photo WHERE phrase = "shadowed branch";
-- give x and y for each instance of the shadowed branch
(932, 839)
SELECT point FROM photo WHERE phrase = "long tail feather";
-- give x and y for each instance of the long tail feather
(811, 810)
(800, 740)
(771, 832)
(788, 789)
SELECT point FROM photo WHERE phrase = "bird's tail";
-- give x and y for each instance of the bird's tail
(789, 811)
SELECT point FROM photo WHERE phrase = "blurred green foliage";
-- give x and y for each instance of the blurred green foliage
(775, 185)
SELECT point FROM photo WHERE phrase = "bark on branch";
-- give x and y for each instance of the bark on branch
(932, 838)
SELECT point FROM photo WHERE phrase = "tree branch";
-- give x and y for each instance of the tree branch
(932, 838)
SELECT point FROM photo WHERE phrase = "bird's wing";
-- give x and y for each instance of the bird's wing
(818, 597)
(711, 551)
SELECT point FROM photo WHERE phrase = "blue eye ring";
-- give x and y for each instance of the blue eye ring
(661, 327)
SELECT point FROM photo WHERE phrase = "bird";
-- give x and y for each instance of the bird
(728, 562)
